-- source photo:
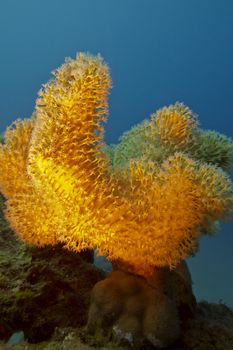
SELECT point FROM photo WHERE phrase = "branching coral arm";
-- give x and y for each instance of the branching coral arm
(29, 212)
(65, 151)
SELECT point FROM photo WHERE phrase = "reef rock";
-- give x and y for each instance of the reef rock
(42, 288)
(135, 311)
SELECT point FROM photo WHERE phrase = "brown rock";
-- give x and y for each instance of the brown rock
(133, 310)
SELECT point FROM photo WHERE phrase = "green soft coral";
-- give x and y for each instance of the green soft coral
(173, 129)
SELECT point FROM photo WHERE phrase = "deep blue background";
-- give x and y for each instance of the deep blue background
(159, 51)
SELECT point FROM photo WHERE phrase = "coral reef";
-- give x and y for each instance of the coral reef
(210, 329)
(143, 203)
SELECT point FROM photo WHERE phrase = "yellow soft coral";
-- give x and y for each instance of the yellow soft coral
(30, 213)
(13, 157)
(143, 216)
(65, 148)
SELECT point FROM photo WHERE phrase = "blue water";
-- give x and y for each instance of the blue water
(159, 51)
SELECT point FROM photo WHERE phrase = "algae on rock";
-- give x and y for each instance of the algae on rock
(41, 288)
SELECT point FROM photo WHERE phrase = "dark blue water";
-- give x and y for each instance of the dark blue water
(159, 51)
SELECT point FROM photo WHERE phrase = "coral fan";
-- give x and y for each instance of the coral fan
(164, 186)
